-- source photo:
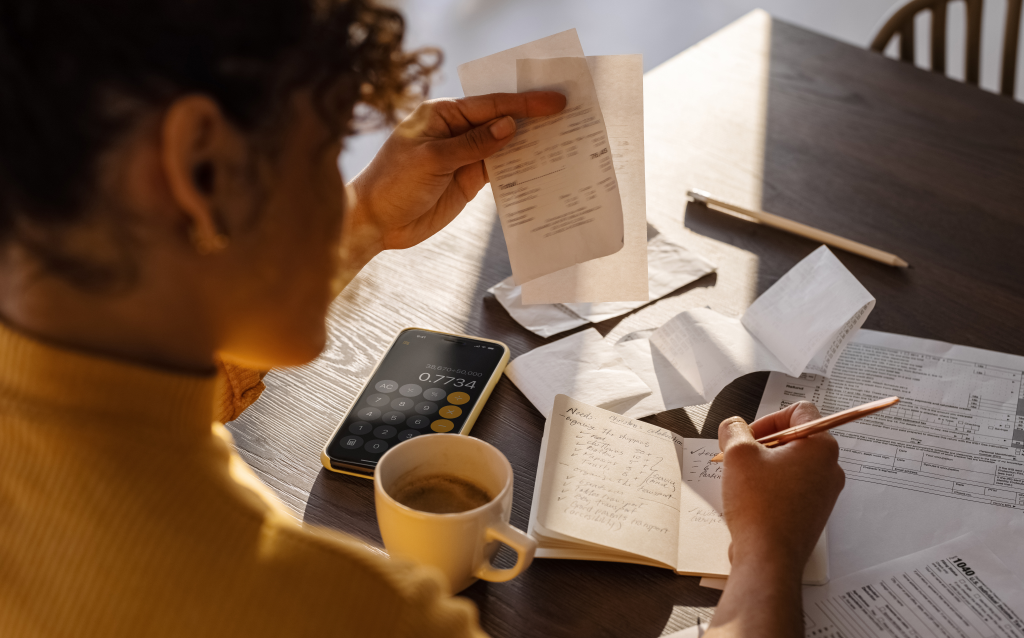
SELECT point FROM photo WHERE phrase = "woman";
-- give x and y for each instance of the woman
(170, 203)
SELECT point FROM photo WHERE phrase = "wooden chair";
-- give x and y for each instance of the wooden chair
(902, 24)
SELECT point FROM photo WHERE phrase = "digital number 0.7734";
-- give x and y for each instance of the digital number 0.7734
(443, 380)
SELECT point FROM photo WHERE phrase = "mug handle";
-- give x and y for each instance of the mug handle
(524, 546)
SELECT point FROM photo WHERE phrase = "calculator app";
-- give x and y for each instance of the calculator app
(427, 383)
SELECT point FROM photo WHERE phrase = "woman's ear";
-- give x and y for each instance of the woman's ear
(198, 145)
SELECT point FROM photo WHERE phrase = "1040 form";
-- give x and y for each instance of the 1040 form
(948, 460)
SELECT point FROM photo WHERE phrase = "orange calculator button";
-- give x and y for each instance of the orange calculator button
(442, 425)
(450, 411)
(458, 398)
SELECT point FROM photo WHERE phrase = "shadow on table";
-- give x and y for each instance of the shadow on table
(587, 598)
(343, 503)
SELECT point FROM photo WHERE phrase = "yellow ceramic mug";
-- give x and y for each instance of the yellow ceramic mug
(462, 544)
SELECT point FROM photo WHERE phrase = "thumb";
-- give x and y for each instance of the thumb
(732, 432)
(476, 144)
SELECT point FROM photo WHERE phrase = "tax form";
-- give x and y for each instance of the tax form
(948, 460)
(959, 588)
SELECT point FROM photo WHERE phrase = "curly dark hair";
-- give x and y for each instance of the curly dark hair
(76, 74)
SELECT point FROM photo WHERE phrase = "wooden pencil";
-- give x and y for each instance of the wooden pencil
(820, 425)
(797, 228)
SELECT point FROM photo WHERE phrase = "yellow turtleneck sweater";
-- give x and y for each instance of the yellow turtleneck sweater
(125, 512)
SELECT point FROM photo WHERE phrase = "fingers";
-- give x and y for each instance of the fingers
(484, 108)
(474, 145)
(796, 414)
(732, 432)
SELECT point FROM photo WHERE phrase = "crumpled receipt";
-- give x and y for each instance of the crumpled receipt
(582, 366)
(801, 324)
(670, 266)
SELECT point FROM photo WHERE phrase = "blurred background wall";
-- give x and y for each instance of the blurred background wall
(659, 29)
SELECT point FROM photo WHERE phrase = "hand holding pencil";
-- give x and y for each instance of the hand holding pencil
(822, 424)
(776, 501)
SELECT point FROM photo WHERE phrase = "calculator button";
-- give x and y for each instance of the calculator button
(386, 386)
(434, 394)
(378, 400)
(360, 427)
(402, 403)
(450, 411)
(442, 425)
(458, 398)
(385, 432)
(426, 407)
(368, 414)
(376, 446)
(351, 442)
(410, 390)
(407, 434)
(393, 418)
(417, 421)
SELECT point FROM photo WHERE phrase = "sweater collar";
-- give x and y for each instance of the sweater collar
(97, 389)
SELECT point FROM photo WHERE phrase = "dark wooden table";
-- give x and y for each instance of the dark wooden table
(763, 114)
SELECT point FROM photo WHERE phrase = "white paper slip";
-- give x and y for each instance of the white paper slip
(496, 73)
(616, 489)
(582, 364)
(554, 184)
(541, 319)
(800, 324)
(948, 460)
(669, 390)
(621, 276)
(958, 589)
(670, 266)
(584, 216)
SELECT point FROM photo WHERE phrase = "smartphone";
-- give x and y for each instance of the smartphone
(428, 382)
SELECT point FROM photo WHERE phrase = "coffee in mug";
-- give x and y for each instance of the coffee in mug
(445, 500)
(439, 493)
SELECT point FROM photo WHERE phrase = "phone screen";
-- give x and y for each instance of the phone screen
(428, 382)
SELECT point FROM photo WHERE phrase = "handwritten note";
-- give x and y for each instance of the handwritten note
(613, 488)
(612, 481)
(607, 480)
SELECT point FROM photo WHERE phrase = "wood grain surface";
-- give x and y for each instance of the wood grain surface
(762, 114)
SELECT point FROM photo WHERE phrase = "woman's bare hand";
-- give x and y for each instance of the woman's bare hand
(432, 165)
(777, 501)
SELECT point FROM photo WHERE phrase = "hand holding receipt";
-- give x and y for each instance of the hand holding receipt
(554, 185)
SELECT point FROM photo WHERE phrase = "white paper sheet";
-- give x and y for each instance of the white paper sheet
(554, 184)
(670, 266)
(541, 319)
(801, 323)
(958, 589)
(606, 481)
(619, 84)
(669, 390)
(496, 73)
(949, 459)
(621, 276)
(581, 365)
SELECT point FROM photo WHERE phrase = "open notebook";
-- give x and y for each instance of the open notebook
(614, 489)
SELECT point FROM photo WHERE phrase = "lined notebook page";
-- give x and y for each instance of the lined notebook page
(703, 536)
(612, 481)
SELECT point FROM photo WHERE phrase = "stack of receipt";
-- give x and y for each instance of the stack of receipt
(569, 188)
